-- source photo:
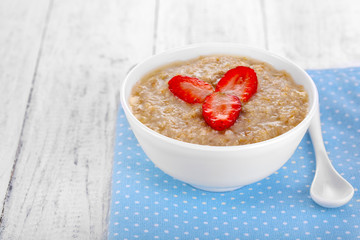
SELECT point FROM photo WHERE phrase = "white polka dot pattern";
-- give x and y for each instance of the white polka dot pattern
(148, 204)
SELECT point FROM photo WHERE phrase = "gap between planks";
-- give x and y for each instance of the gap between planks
(28, 102)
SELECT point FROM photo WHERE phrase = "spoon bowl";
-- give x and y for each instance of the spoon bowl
(328, 189)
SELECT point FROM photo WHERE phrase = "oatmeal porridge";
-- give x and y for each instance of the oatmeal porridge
(278, 105)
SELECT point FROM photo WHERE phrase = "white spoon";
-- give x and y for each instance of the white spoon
(329, 189)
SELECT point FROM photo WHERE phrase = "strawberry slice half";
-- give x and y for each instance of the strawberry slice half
(220, 110)
(190, 90)
(240, 81)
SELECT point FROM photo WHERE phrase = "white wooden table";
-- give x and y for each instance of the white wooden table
(61, 62)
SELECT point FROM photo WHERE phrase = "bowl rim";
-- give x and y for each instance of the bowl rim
(274, 140)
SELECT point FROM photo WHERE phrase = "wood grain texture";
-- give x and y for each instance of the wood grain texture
(315, 34)
(60, 188)
(186, 22)
(60, 69)
(21, 29)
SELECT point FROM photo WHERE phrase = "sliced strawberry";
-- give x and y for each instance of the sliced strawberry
(191, 90)
(220, 110)
(240, 81)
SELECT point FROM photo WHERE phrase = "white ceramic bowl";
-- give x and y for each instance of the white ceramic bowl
(218, 168)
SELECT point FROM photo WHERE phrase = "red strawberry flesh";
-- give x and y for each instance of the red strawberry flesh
(190, 90)
(221, 110)
(240, 81)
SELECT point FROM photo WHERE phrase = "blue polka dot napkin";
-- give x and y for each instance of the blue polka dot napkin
(148, 204)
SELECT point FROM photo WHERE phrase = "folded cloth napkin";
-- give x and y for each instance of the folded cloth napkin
(148, 204)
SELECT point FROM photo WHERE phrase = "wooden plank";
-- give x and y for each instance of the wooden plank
(61, 184)
(187, 22)
(315, 34)
(22, 24)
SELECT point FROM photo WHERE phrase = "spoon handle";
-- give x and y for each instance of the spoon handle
(322, 159)
(316, 135)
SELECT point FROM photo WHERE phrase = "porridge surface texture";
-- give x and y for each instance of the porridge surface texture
(278, 105)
